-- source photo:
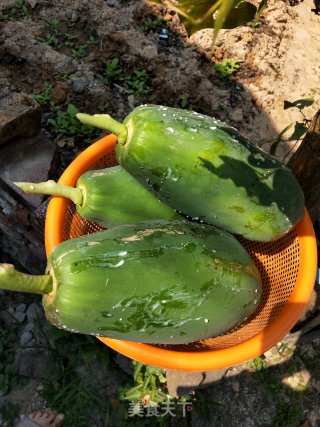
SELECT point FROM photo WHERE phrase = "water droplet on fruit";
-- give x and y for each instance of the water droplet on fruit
(170, 130)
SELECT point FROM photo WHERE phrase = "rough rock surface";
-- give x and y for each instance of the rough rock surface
(20, 114)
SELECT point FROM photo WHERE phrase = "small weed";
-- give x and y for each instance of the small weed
(54, 36)
(21, 9)
(151, 23)
(227, 68)
(137, 82)
(148, 385)
(58, 38)
(54, 25)
(70, 40)
(51, 40)
(258, 364)
(112, 70)
(65, 123)
(148, 398)
(44, 97)
(79, 52)
(92, 41)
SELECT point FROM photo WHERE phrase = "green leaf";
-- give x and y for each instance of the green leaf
(227, 67)
(243, 13)
(262, 5)
(300, 103)
(221, 17)
(299, 130)
(137, 369)
(52, 122)
(72, 110)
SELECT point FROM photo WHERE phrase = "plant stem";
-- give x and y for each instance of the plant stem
(52, 188)
(105, 122)
(13, 280)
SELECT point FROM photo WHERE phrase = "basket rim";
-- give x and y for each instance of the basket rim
(199, 360)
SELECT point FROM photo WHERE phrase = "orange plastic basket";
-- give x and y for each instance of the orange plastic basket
(287, 267)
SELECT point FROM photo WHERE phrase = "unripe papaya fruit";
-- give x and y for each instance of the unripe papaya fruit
(109, 197)
(206, 170)
(156, 282)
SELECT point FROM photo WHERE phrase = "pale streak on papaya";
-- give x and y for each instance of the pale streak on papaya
(148, 232)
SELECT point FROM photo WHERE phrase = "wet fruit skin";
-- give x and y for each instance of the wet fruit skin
(113, 197)
(207, 171)
(155, 282)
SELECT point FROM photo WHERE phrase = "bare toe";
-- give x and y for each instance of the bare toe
(51, 416)
(46, 418)
(35, 415)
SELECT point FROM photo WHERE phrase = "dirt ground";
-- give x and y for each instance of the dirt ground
(109, 56)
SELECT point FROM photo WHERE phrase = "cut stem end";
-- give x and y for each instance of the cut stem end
(13, 280)
(105, 122)
(51, 188)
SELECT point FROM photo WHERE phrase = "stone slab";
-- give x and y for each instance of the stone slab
(20, 114)
(27, 159)
(182, 383)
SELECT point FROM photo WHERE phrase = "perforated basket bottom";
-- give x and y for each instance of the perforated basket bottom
(277, 262)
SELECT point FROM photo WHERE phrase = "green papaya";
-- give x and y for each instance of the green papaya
(206, 170)
(156, 282)
(109, 197)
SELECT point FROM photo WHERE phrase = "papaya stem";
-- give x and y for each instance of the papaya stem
(105, 122)
(13, 280)
(52, 188)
